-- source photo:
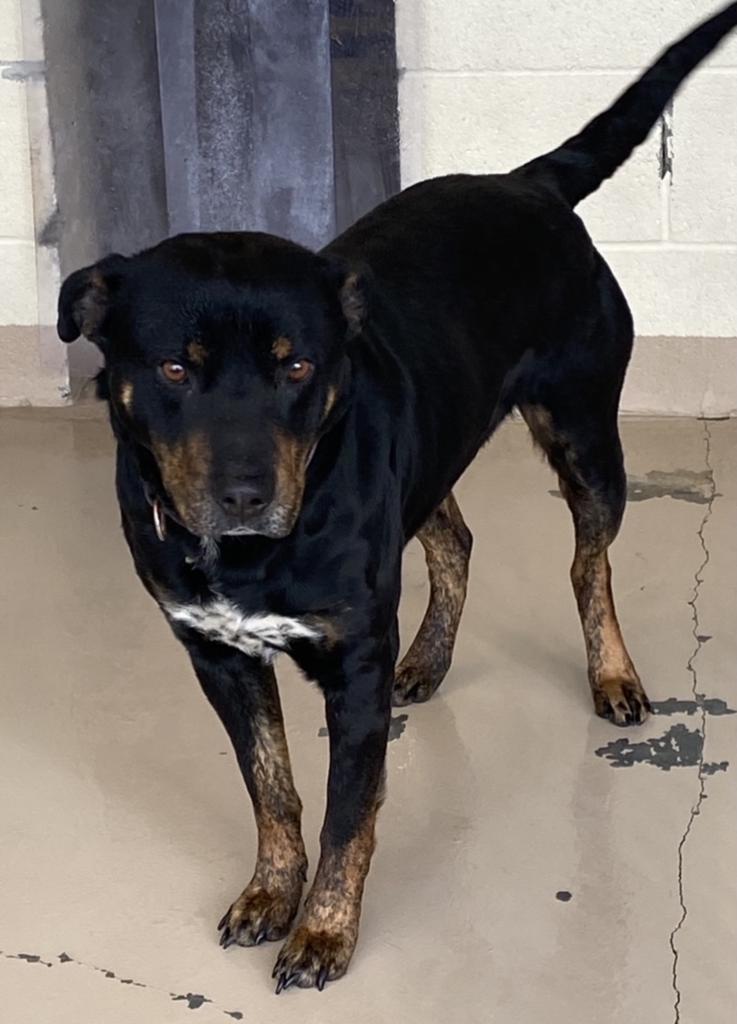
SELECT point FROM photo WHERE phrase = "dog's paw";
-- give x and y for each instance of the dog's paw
(621, 701)
(414, 684)
(257, 916)
(310, 958)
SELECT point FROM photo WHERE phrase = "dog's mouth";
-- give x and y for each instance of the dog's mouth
(276, 523)
(233, 509)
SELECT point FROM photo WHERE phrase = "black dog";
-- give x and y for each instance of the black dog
(287, 421)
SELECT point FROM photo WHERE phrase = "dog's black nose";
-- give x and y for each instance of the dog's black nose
(244, 499)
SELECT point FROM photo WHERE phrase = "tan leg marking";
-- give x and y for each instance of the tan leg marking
(447, 543)
(615, 686)
(267, 906)
(321, 946)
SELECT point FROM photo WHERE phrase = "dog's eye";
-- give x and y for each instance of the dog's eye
(299, 370)
(173, 371)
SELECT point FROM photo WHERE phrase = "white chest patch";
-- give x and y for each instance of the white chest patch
(261, 635)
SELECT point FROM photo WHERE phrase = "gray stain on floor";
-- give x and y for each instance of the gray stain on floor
(396, 727)
(673, 706)
(193, 1000)
(679, 747)
(682, 484)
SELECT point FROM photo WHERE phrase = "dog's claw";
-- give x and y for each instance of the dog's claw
(285, 980)
(322, 977)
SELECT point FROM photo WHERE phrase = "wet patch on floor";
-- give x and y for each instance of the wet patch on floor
(673, 706)
(396, 727)
(679, 747)
(193, 1000)
(694, 486)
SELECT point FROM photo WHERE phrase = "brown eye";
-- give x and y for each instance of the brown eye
(299, 370)
(173, 371)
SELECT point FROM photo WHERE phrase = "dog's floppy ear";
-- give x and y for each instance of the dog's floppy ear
(351, 283)
(84, 299)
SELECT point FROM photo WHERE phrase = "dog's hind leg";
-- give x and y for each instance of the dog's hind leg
(586, 453)
(447, 543)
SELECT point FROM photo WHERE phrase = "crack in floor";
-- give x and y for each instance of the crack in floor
(194, 1000)
(700, 639)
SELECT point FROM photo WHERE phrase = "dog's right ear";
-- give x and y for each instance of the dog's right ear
(84, 299)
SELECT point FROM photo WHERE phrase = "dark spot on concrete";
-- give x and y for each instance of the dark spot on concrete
(30, 958)
(714, 766)
(564, 896)
(694, 486)
(34, 508)
(396, 727)
(679, 747)
(673, 706)
(193, 1000)
(702, 637)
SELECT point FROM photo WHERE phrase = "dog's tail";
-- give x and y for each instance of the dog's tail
(583, 162)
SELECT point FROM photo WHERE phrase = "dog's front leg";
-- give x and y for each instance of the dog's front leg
(244, 694)
(358, 708)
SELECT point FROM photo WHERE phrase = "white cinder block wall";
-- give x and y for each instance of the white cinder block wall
(485, 85)
(33, 364)
(488, 84)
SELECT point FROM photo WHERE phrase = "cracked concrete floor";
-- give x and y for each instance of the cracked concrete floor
(534, 863)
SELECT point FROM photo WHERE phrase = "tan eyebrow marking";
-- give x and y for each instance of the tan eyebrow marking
(196, 352)
(282, 348)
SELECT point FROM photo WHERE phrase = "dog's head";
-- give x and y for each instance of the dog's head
(225, 359)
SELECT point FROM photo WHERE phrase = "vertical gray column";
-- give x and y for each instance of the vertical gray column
(365, 116)
(246, 115)
(104, 111)
(178, 97)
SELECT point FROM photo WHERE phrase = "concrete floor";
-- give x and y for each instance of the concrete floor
(534, 863)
